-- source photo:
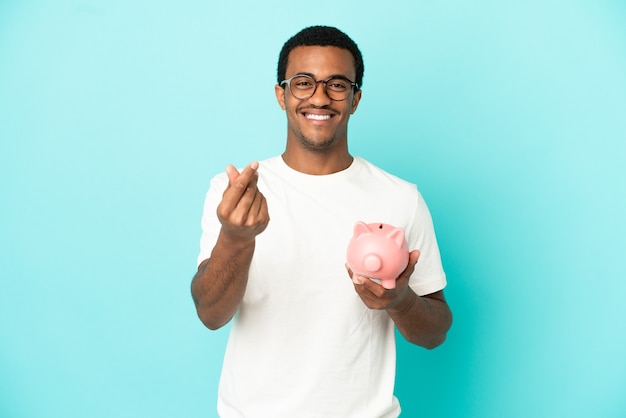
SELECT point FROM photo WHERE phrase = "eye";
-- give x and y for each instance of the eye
(302, 83)
(338, 85)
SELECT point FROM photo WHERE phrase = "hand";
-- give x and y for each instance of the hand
(243, 210)
(376, 296)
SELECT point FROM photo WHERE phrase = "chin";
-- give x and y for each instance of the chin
(316, 144)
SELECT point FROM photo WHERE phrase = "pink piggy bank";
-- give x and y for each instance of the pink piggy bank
(378, 251)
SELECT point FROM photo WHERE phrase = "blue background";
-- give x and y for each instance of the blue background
(510, 116)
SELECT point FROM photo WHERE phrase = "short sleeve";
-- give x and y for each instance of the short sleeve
(210, 224)
(429, 276)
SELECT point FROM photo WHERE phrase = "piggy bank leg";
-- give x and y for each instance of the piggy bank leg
(388, 283)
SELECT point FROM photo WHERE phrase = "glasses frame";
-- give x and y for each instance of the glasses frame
(354, 86)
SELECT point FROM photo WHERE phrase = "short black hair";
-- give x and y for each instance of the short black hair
(321, 36)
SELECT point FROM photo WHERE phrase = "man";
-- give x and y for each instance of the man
(306, 341)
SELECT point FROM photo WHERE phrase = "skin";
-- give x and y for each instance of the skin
(219, 285)
(423, 321)
(315, 147)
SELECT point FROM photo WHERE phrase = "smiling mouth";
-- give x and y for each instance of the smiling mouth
(313, 116)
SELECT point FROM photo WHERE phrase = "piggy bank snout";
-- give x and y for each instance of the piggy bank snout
(372, 262)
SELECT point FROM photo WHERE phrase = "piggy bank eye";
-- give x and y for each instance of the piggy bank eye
(380, 226)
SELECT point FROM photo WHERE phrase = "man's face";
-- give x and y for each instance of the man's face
(318, 123)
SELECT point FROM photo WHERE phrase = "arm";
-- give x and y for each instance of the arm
(422, 320)
(220, 283)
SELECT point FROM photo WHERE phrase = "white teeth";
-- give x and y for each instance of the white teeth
(317, 117)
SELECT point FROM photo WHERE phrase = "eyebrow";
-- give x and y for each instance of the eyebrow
(327, 78)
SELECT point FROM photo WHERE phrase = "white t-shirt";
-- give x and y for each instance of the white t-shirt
(303, 344)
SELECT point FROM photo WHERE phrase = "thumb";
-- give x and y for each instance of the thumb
(414, 256)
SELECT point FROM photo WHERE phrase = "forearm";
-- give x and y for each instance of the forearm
(220, 283)
(424, 321)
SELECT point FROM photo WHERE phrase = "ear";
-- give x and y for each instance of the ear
(397, 235)
(280, 95)
(361, 228)
(355, 101)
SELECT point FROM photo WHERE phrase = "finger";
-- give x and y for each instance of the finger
(240, 180)
(263, 210)
(232, 173)
(358, 280)
(243, 213)
(413, 257)
(255, 212)
(263, 215)
(416, 254)
(238, 185)
(374, 289)
(247, 174)
(247, 197)
(349, 270)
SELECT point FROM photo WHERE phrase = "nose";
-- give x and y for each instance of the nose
(320, 98)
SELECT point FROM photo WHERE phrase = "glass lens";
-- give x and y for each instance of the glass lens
(338, 88)
(302, 86)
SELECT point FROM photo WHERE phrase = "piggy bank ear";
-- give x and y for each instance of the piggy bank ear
(397, 235)
(361, 228)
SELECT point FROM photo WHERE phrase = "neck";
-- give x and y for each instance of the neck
(317, 163)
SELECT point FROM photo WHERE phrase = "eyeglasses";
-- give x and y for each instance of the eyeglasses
(303, 86)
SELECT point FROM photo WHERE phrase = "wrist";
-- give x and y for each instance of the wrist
(235, 242)
(405, 304)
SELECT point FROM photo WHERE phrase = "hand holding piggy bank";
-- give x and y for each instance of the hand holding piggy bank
(378, 251)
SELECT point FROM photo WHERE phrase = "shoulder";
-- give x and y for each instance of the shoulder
(382, 177)
(272, 165)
